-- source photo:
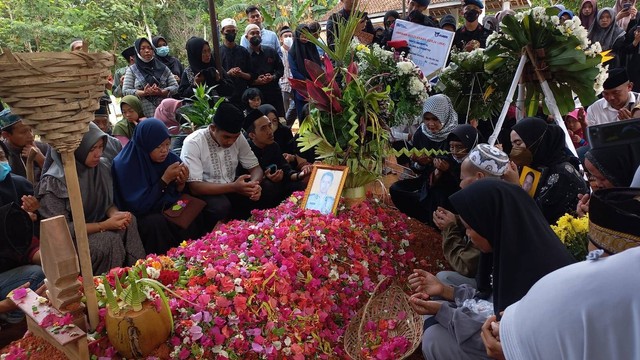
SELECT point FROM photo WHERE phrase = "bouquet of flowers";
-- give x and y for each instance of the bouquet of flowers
(573, 234)
(482, 98)
(561, 52)
(408, 87)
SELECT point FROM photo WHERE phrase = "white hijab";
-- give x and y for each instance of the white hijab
(588, 310)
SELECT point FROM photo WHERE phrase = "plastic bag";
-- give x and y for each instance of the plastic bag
(480, 307)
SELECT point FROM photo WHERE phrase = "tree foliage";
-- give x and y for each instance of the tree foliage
(51, 25)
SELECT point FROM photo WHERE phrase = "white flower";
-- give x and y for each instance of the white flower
(555, 20)
(333, 274)
(101, 290)
(405, 67)
(153, 272)
(404, 243)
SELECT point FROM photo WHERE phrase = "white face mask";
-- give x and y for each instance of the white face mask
(288, 41)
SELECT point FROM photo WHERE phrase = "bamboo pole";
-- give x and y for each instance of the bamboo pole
(82, 240)
(215, 42)
(507, 101)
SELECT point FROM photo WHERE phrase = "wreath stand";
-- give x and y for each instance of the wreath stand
(528, 55)
(57, 94)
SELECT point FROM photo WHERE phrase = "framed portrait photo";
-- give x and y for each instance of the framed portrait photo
(324, 188)
(529, 179)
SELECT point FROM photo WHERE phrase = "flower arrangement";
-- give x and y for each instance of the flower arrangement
(573, 232)
(380, 344)
(482, 98)
(283, 285)
(562, 52)
(408, 87)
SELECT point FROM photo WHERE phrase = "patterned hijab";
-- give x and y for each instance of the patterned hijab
(440, 106)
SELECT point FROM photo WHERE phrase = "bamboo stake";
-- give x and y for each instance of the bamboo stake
(82, 240)
(507, 101)
(214, 36)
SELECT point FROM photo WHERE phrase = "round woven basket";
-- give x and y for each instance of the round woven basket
(385, 305)
(55, 92)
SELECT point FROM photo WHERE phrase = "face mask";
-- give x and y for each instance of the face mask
(471, 15)
(230, 36)
(5, 169)
(288, 41)
(520, 156)
(256, 40)
(162, 51)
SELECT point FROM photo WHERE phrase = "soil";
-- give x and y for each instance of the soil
(427, 247)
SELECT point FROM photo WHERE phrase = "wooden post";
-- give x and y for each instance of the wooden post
(215, 42)
(82, 240)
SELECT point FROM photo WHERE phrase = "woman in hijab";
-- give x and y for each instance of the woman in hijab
(419, 197)
(541, 146)
(149, 178)
(572, 297)
(301, 50)
(166, 113)
(626, 12)
(113, 235)
(162, 51)
(132, 114)
(515, 254)
(608, 34)
(201, 69)
(587, 13)
(148, 79)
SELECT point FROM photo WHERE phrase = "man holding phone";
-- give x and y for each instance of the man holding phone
(280, 179)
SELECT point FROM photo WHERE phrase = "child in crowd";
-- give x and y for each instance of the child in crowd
(252, 99)
(576, 124)
(131, 115)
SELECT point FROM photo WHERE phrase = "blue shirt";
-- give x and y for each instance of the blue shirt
(269, 38)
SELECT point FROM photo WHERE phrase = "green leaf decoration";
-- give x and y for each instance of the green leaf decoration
(112, 303)
(421, 152)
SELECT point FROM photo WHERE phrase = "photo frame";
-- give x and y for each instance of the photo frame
(324, 188)
(529, 179)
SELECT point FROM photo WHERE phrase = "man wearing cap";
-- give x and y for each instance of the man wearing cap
(343, 15)
(19, 141)
(269, 38)
(235, 60)
(266, 68)
(212, 156)
(280, 179)
(129, 55)
(617, 101)
(483, 161)
(417, 8)
(472, 34)
(448, 22)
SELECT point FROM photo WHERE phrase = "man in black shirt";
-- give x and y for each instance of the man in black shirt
(471, 35)
(235, 61)
(343, 16)
(280, 179)
(266, 69)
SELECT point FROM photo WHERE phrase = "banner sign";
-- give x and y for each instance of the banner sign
(429, 46)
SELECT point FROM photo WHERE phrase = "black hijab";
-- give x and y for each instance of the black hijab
(545, 141)
(617, 163)
(467, 135)
(524, 247)
(152, 70)
(302, 51)
(391, 13)
(194, 55)
(171, 62)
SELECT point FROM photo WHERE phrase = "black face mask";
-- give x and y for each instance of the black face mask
(230, 37)
(255, 41)
(471, 15)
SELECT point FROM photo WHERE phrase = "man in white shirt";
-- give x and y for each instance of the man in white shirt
(617, 100)
(212, 156)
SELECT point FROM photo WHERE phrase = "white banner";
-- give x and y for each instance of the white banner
(429, 46)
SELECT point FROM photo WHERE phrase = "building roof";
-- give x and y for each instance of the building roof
(437, 8)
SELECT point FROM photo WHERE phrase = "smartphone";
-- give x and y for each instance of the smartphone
(272, 168)
(615, 133)
(626, 6)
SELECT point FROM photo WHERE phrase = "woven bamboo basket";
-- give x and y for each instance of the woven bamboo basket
(55, 92)
(384, 305)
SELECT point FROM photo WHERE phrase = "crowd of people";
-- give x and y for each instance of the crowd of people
(495, 223)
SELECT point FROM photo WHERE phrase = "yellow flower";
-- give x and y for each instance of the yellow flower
(183, 243)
